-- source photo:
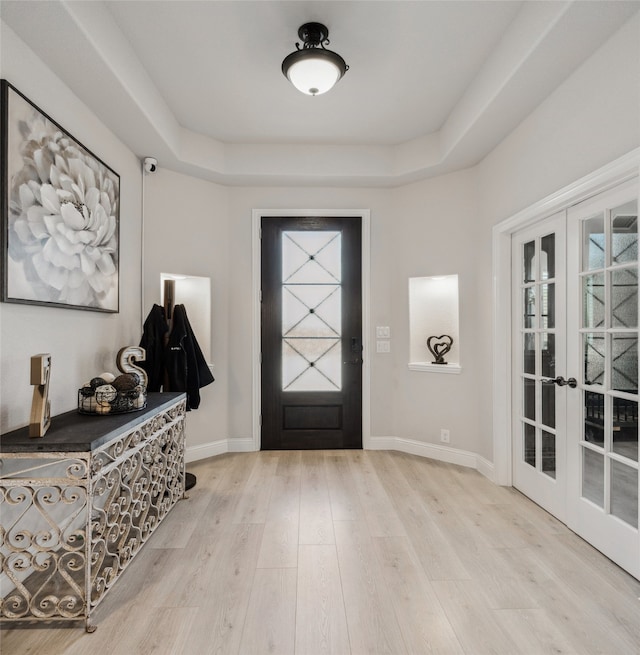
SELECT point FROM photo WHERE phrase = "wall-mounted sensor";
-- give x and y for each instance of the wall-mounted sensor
(150, 164)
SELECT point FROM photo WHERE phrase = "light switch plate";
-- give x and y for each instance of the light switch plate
(383, 346)
(383, 332)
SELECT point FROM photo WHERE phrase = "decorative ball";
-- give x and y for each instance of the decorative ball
(106, 393)
(87, 391)
(103, 409)
(126, 382)
(107, 377)
(98, 382)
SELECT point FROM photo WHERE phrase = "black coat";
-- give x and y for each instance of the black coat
(186, 366)
(153, 341)
(176, 363)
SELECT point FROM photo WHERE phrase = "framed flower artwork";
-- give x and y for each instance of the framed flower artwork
(60, 213)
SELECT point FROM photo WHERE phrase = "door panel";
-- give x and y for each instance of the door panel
(539, 344)
(575, 446)
(311, 333)
(603, 337)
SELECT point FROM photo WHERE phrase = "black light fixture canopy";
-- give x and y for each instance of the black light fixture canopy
(312, 68)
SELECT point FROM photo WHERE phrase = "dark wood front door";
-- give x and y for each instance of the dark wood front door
(311, 333)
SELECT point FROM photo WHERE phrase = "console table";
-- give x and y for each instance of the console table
(78, 504)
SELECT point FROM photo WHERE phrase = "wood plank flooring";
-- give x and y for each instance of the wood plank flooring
(352, 553)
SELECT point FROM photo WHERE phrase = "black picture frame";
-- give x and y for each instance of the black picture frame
(60, 213)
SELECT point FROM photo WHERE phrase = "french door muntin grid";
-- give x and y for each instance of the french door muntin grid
(538, 334)
(609, 337)
(311, 341)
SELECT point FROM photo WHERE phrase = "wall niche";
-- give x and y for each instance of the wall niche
(194, 292)
(433, 312)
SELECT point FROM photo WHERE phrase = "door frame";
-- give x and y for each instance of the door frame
(256, 217)
(617, 172)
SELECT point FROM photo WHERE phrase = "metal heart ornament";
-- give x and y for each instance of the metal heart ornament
(439, 347)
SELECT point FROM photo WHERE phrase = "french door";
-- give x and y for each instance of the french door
(539, 339)
(575, 431)
(602, 311)
(311, 329)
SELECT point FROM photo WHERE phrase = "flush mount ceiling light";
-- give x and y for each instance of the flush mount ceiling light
(312, 68)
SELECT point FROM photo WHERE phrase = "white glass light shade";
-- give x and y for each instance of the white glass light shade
(314, 71)
(313, 76)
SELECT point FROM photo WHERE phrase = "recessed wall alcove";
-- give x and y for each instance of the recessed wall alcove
(433, 311)
(194, 292)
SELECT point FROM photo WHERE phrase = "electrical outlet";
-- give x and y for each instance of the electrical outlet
(444, 435)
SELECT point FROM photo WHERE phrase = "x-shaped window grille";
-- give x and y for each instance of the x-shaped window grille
(311, 311)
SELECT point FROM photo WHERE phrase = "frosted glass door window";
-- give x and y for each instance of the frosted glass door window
(311, 311)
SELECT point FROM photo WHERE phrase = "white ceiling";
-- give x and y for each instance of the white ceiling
(433, 85)
(217, 65)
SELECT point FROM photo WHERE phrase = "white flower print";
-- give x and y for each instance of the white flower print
(63, 218)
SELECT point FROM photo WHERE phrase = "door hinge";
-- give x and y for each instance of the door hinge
(260, 295)
(260, 233)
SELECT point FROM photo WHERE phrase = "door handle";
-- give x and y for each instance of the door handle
(356, 348)
(561, 382)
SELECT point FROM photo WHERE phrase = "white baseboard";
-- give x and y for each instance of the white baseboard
(381, 443)
(241, 445)
(487, 468)
(420, 448)
(435, 451)
(203, 451)
(213, 448)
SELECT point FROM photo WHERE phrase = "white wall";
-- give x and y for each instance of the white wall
(425, 229)
(199, 228)
(436, 229)
(186, 232)
(589, 121)
(243, 200)
(82, 343)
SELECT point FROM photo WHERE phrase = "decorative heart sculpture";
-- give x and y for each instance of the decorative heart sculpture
(440, 348)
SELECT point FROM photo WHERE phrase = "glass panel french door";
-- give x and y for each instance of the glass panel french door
(539, 364)
(602, 418)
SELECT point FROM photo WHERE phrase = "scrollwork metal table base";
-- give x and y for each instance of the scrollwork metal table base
(78, 505)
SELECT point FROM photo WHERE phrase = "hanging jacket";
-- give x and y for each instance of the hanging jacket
(186, 367)
(153, 341)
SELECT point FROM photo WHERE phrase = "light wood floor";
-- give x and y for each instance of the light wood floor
(354, 552)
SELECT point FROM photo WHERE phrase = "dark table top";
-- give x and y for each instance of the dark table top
(73, 432)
